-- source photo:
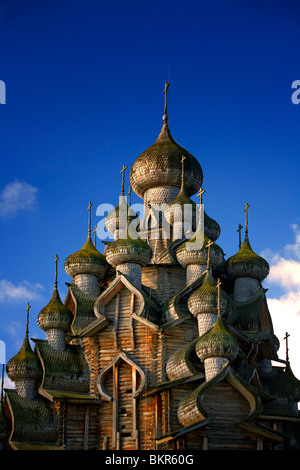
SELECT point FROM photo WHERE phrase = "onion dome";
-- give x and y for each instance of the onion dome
(205, 298)
(187, 254)
(217, 342)
(25, 364)
(160, 164)
(181, 202)
(211, 228)
(113, 220)
(118, 216)
(88, 260)
(55, 315)
(246, 263)
(128, 250)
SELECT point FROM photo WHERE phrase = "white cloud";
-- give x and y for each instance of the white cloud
(17, 196)
(24, 290)
(285, 308)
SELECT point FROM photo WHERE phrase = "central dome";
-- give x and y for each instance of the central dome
(160, 165)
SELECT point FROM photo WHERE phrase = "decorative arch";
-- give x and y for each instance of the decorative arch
(124, 405)
(119, 357)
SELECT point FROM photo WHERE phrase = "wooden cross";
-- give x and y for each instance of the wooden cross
(210, 242)
(55, 261)
(129, 196)
(218, 287)
(27, 320)
(246, 210)
(95, 232)
(287, 348)
(201, 191)
(165, 93)
(239, 231)
(124, 167)
(89, 209)
(182, 168)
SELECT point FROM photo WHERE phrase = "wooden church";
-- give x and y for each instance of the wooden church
(161, 343)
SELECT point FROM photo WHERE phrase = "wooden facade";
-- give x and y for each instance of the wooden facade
(130, 364)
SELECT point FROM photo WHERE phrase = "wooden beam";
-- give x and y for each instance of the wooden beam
(134, 416)
(86, 428)
(115, 405)
(131, 329)
(117, 319)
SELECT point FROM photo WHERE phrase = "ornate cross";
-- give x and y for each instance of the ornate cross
(55, 261)
(287, 348)
(165, 92)
(246, 210)
(123, 178)
(89, 209)
(201, 191)
(239, 231)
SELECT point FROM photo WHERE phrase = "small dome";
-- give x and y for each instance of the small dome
(128, 250)
(205, 298)
(88, 260)
(188, 254)
(181, 201)
(160, 165)
(55, 315)
(25, 364)
(112, 220)
(246, 263)
(217, 342)
(211, 228)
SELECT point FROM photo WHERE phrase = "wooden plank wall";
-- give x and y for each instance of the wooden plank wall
(128, 423)
(150, 350)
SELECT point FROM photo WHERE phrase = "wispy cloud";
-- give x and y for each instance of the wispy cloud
(17, 196)
(285, 307)
(24, 290)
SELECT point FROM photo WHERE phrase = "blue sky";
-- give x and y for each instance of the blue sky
(84, 95)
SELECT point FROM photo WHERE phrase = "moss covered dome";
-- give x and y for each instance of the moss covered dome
(205, 298)
(55, 314)
(217, 342)
(88, 260)
(246, 263)
(25, 364)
